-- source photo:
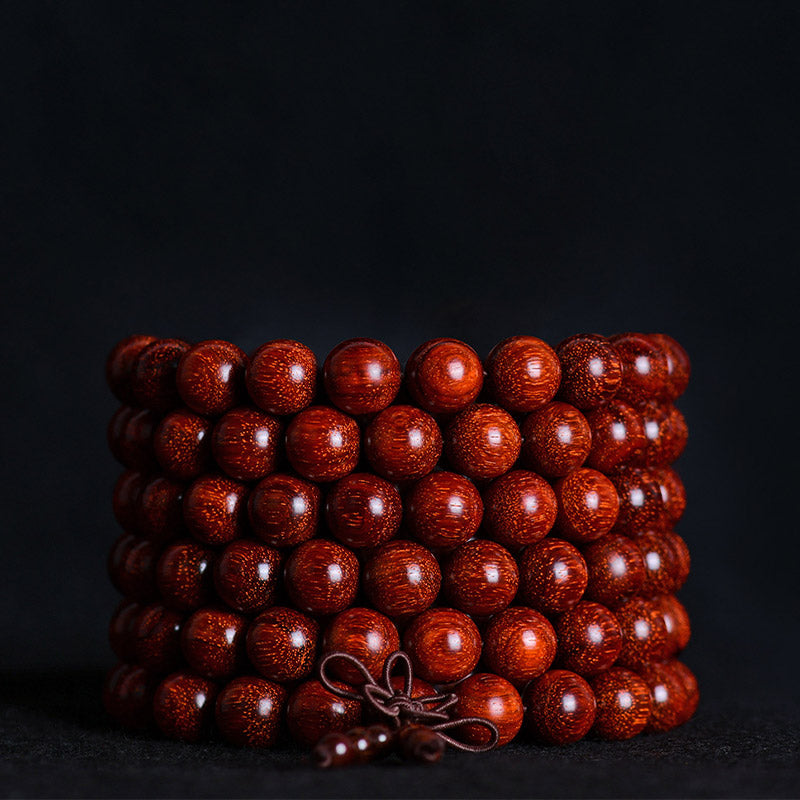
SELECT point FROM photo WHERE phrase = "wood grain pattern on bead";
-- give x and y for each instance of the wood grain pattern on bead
(588, 505)
(322, 577)
(552, 575)
(323, 444)
(312, 711)
(676, 621)
(214, 509)
(641, 504)
(623, 704)
(591, 371)
(363, 510)
(673, 492)
(616, 569)
(678, 365)
(493, 698)
(282, 377)
(213, 642)
(618, 435)
(683, 558)
(248, 711)
(159, 512)
(556, 439)
(182, 444)
(589, 638)
(246, 444)
(644, 366)
(282, 644)
(690, 687)
(132, 567)
(247, 575)
(183, 575)
(120, 363)
(157, 639)
(660, 562)
(644, 633)
(560, 707)
(183, 706)
(210, 377)
(668, 696)
(152, 379)
(284, 510)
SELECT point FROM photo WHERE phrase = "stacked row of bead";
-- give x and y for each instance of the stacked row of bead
(508, 523)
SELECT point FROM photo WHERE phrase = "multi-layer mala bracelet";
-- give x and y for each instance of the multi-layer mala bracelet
(370, 560)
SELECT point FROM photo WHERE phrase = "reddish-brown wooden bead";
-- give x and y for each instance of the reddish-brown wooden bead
(443, 509)
(673, 492)
(678, 365)
(560, 707)
(618, 435)
(358, 745)
(120, 363)
(282, 377)
(519, 508)
(523, 373)
(282, 644)
(121, 629)
(157, 638)
(591, 371)
(128, 696)
(323, 444)
(246, 444)
(249, 710)
(690, 686)
(678, 435)
(552, 576)
(130, 437)
(616, 569)
(363, 510)
(183, 706)
(623, 704)
(322, 577)
(403, 443)
(125, 499)
(132, 567)
(492, 698)
(210, 377)
(312, 711)
(402, 579)
(666, 434)
(246, 576)
(676, 620)
(519, 644)
(588, 505)
(214, 509)
(660, 562)
(183, 575)
(644, 633)
(480, 578)
(213, 642)
(444, 645)
(160, 512)
(444, 375)
(644, 366)
(152, 380)
(556, 439)
(362, 376)
(181, 444)
(589, 638)
(641, 505)
(284, 510)
(482, 441)
(682, 558)
(668, 696)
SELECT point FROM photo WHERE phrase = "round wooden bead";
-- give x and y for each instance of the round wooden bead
(690, 686)
(623, 704)
(519, 644)
(183, 575)
(591, 371)
(523, 373)
(644, 366)
(402, 579)
(588, 505)
(284, 510)
(249, 710)
(560, 707)
(552, 576)
(282, 377)
(362, 376)
(181, 444)
(214, 509)
(589, 638)
(444, 645)
(246, 576)
(480, 578)
(660, 562)
(618, 435)
(321, 577)
(358, 746)
(666, 434)
(668, 696)
(676, 620)
(492, 698)
(682, 558)
(364, 633)
(678, 435)
(363, 510)
(443, 509)
(312, 711)
(616, 570)
(482, 441)
(246, 444)
(519, 508)
(673, 492)
(403, 443)
(132, 567)
(213, 642)
(159, 515)
(122, 627)
(555, 439)
(444, 375)
(120, 362)
(130, 437)
(644, 633)
(183, 706)
(125, 499)
(210, 377)
(157, 638)
(152, 379)
(641, 505)
(323, 444)
(282, 644)
(128, 696)
(678, 365)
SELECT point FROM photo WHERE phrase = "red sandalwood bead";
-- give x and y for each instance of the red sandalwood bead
(644, 366)
(588, 505)
(492, 698)
(157, 639)
(282, 644)
(589, 638)
(152, 379)
(284, 510)
(556, 439)
(323, 444)
(183, 706)
(552, 576)
(121, 629)
(214, 509)
(183, 575)
(249, 711)
(246, 576)
(660, 562)
(560, 707)
(618, 435)
(312, 711)
(591, 371)
(641, 505)
(282, 377)
(128, 696)
(213, 642)
(676, 620)
(131, 567)
(181, 444)
(644, 633)
(673, 492)
(159, 514)
(677, 437)
(246, 444)
(120, 362)
(482, 441)
(321, 577)
(363, 510)
(616, 569)
(130, 437)
(125, 499)
(682, 558)
(623, 704)
(678, 365)
(668, 696)
(690, 686)
(523, 373)
(210, 377)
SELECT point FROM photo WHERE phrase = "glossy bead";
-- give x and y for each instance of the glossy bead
(644, 633)
(559, 707)
(523, 373)
(616, 570)
(321, 577)
(443, 509)
(660, 562)
(323, 444)
(363, 510)
(132, 567)
(312, 711)
(482, 441)
(121, 629)
(403, 443)
(282, 644)
(682, 557)
(362, 376)
(480, 578)
(246, 444)
(183, 706)
(444, 376)
(676, 620)
(691, 689)
(214, 509)
(282, 377)
(419, 743)
(444, 645)
(183, 575)
(157, 638)
(591, 371)
(588, 505)
(246, 576)
(519, 508)
(284, 510)
(641, 505)
(492, 698)
(181, 444)
(589, 638)
(519, 644)
(402, 579)
(678, 365)
(120, 362)
(128, 696)
(623, 704)
(249, 710)
(668, 696)
(677, 435)
(618, 435)
(152, 379)
(210, 377)
(213, 642)
(644, 366)
(358, 745)
(666, 434)
(159, 515)
(555, 439)
(130, 437)
(552, 576)
(125, 499)
(673, 492)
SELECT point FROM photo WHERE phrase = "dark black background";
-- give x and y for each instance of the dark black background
(401, 171)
